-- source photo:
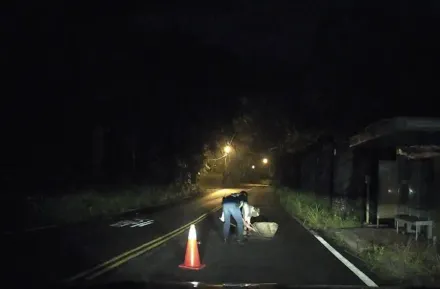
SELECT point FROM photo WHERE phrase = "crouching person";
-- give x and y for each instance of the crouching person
(231, 207)
(242, 198)
(249, 211)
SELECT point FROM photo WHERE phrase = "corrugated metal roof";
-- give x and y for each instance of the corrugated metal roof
(393, 125)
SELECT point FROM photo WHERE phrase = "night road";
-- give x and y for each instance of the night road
(151, 251)
(118, 116)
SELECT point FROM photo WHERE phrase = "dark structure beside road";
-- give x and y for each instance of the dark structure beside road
(391, 164)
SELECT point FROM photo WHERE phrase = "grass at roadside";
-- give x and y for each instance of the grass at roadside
(404, 262)
(83, 205)
(313, 211)
(410, 262)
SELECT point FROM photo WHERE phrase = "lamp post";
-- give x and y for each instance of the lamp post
(265, 162)
(227, 149)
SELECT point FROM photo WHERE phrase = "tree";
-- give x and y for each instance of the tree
(266, 127)
(296, 140)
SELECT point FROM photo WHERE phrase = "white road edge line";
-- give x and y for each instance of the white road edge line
(347, 263)
(361, 275)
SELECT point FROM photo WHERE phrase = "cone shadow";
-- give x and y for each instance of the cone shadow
(208, 226)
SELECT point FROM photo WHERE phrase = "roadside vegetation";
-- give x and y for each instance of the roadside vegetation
(314, 212)
(67, 206)
(409, 262)
(78, 206)
(266, 182)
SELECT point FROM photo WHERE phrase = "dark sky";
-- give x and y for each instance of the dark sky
(318, 51)
(281, 30)
(175, 71)
(347, 59)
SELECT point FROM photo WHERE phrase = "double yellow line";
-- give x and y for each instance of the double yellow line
(125, 257)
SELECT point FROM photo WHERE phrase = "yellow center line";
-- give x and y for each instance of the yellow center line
(124, 257)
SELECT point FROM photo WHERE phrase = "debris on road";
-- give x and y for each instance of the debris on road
(265, 229)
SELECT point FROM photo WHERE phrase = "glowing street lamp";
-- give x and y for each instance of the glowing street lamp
(265, 161)
(253, 167)
(227, 149)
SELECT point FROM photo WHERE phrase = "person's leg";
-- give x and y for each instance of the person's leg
(244, 212)
(236, 214)
(246, 229)
(227, 220)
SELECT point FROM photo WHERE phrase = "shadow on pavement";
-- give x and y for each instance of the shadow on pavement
(166, 277)
(206, 228)
(260, 218)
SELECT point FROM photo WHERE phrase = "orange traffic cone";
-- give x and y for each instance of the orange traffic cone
(192, 258)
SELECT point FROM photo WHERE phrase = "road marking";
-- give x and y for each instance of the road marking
(142, 224)
(361, 275)
(124, 260)
(133, 223)
(124, 257)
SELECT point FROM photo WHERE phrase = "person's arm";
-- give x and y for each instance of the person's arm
(222, 218)
(249, 226)
(246, 210)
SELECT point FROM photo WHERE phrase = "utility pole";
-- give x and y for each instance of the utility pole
(226, 163)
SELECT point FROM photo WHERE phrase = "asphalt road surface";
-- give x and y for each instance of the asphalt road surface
(144, 250)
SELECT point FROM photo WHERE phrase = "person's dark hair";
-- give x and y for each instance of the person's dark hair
(244, 195)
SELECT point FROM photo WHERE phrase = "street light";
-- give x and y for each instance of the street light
(227, 149)
(253, 167)
(265, 161)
